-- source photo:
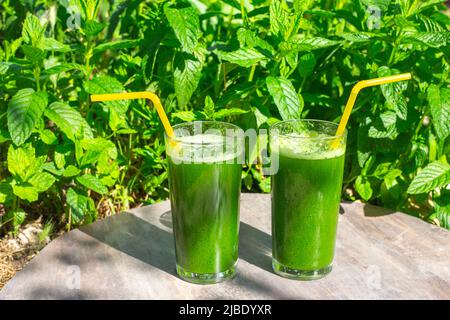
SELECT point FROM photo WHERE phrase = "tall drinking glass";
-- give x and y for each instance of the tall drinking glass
(204, 159)
(306, 193)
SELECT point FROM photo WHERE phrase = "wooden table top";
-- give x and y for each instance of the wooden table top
(380, 254)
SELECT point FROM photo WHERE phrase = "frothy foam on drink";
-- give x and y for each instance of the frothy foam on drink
(204, 148)
(315, 146)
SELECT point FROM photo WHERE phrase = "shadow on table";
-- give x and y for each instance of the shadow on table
(374, 211)
(154, 246)
(137, 238)
(254, 245)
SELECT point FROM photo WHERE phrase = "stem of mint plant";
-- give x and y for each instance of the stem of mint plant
(244, 14)
(252, 73)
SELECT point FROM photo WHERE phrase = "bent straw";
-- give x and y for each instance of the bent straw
(355, 91)
(139, 95)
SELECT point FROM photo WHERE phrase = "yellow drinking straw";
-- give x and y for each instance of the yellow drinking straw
(139, 95)
(354, 93)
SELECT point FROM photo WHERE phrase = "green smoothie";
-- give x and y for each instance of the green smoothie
(204, 195)
(306, 193)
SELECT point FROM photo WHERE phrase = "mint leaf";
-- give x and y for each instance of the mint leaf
(186, 76)
(106, 84)
(68, 120)
(306, 64)
(96, 149)
(71, 171)
(419, 154)
(431, 39)
(22, 162)
(93, 28)
(248, 38)
(360, 36)
(363, 187)
(385, 126)
(439, 99)
(32, 31)
(5, 192)
(279, 18)
(308, 44)
(434, 175)
(422, 5)
(186, 116)
(302, 5)
(393, 93)
(285, 97)
(9, 68)
(60, 158)
(33, 54)
(222, 113)
(116, 45)
(26, 192)
(93, 183)
(41, 181)
(382, 4)
(244, 57)
(50, 44)
(24, 111)
(80, 205)
(209, 108)
(186, 25)
(48, 137)
(382, 169)
(63, 67)
(50, 167)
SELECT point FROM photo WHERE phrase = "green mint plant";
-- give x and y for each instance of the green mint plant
(251, 62)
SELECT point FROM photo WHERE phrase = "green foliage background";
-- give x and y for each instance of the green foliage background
(248, 62)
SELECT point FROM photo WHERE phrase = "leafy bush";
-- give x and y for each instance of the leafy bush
(248, 62)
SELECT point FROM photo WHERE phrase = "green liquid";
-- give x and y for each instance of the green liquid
(305, 204)
(205, 211)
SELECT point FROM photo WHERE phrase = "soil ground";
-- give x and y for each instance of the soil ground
(15, 252)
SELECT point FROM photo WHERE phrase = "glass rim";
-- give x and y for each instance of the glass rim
(226, 125)
(333, 137)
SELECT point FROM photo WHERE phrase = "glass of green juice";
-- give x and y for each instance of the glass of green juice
(306, 192)
(204, 164)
